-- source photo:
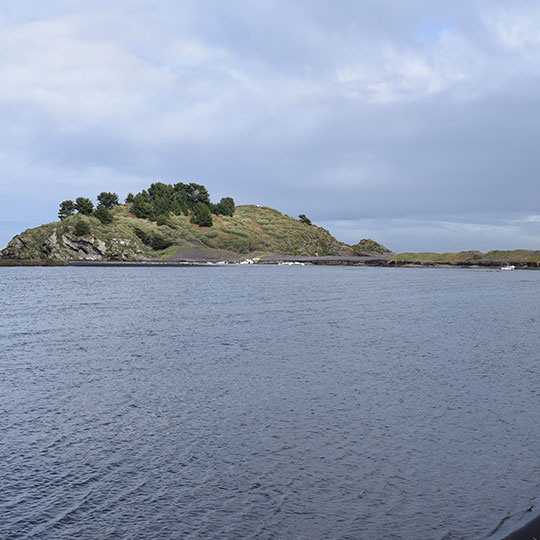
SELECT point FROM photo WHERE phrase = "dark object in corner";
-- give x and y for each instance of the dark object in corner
(529, 531)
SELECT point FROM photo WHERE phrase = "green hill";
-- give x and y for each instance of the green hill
(251, 231)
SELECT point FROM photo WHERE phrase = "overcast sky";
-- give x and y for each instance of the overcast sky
(414, 123)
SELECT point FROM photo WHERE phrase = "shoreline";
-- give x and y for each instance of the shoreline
(275, 260)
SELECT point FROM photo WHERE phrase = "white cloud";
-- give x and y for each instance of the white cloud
(393, 112)
(516, 26)
(75, 82)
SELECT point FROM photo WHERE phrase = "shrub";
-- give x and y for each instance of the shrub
(162, 220)
(142, 235)
(157, 242)
(81, 228)
(103, 214)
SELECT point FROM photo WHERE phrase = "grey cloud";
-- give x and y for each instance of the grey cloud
(393, 118)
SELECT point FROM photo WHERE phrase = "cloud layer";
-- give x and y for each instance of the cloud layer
(417, 126)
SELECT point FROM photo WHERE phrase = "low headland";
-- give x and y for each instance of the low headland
(178, 224)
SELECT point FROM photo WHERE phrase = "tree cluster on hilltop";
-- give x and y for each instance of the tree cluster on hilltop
(85, 206)
(156, 203)
(162, 199)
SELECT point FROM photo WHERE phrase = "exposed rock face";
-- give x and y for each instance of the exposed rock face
(65, 247)
(50, 246)
(85, 249)
(16, 246)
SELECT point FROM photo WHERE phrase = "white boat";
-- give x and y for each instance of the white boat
(507, 266)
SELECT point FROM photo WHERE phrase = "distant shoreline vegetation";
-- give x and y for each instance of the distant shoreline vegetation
(157, 203)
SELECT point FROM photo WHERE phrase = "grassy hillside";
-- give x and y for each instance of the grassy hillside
(252, 230)
(470, 257)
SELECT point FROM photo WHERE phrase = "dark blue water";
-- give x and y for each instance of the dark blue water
(268, 402)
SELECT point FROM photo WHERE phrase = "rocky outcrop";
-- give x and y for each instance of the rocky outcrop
(50, 247)
(367, 247)
(14, 249)
(59, 246)
(84, 249)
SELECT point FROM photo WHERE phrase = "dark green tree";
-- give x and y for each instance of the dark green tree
(84, 205)
(67, 208)
(180, 207)
(141, 206)
(201, 215)
(81, 228)
(108, 200)
(162, 198)
(225, 207)
(103, 214)
(191, 194)
(160, 190)
(129, 198)
(302, 218)
(165, 199)
(199, 194)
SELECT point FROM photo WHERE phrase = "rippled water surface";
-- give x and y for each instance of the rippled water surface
(268, 402)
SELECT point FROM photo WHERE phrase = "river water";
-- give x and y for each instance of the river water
(268, 402)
